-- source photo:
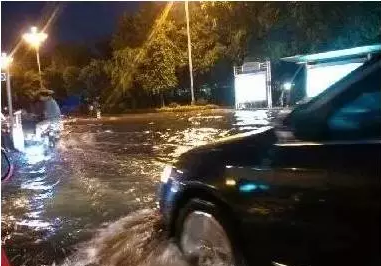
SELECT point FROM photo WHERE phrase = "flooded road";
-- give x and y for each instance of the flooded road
(93, 201)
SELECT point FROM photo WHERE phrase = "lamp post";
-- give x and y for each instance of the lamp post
(189, 52)
(5, 64)
(35, 39)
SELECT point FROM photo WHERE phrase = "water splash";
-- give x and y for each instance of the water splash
(136, 240)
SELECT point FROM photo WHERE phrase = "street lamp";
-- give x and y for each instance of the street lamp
(35, 39)
(189, 51)
(287, 86)
(6, 62)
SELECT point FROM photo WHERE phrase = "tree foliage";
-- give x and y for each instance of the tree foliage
(321, 26)
(53, 80)
(133, 29)
(157, 71)
(70, 55)
(95, 78)
(148, 53)
(71, 79)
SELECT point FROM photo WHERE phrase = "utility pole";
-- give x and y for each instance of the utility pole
(268, 84)
(35, 39)
(189, 52)
(9, 96)
(6, 62)
(39, 66)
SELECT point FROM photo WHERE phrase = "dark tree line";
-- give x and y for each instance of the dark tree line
(145, 62)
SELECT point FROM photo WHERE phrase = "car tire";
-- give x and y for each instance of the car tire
(207, 247)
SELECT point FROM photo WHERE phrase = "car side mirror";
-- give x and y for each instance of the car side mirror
(6, 166)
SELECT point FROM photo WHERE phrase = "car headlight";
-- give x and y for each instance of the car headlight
(166, 174)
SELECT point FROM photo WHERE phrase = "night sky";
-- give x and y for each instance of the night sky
(78, 22)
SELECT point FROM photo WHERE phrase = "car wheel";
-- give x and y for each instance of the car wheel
(203, 235)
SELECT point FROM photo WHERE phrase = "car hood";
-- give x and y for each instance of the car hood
(241, 149)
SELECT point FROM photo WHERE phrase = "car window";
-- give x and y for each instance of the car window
(360, 116)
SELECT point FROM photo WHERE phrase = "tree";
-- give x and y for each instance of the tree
(355, 24)
(157, 71)
(95, 78)
(65, 55)
(316, 27)
(53, 80)
(72, 82)
(134, 29)
(31, 83)
(25, 87)
(151, 67)
(148, 45)
(151, 48)
(121, 72)
(233, 25)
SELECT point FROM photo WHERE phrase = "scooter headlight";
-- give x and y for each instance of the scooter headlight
(166, 174)
(29, 136)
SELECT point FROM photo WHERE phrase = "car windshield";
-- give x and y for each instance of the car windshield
(98, 97)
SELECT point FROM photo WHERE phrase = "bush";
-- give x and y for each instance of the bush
(186, 108)
(201, 101)
(173, 105)
(212, 106)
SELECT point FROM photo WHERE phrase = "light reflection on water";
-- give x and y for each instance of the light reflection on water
(101, 172)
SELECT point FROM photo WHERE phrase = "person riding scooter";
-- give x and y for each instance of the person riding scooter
(49, 114)
(43, 119)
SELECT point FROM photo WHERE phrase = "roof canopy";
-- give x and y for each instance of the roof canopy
(334, 55)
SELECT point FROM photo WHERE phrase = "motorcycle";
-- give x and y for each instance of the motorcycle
(50, 137)
(46, 135)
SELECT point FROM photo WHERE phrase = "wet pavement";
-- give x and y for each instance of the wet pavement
(92, 201)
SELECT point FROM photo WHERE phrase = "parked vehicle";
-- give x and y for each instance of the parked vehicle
(306, 192)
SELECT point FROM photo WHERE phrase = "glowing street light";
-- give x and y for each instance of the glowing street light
(6, 62)
(35, 39)
(287, 86)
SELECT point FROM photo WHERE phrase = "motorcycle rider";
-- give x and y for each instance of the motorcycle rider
(48, 111)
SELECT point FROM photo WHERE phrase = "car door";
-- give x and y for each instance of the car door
(353, 137)
(325, 199)
(299, 178)
(281, 190)
(335, 219)
(316, 200)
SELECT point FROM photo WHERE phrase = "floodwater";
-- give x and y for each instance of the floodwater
(93, 200)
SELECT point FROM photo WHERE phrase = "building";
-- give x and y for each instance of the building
(324, 69)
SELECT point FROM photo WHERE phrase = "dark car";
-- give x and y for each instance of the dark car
(306, 192)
